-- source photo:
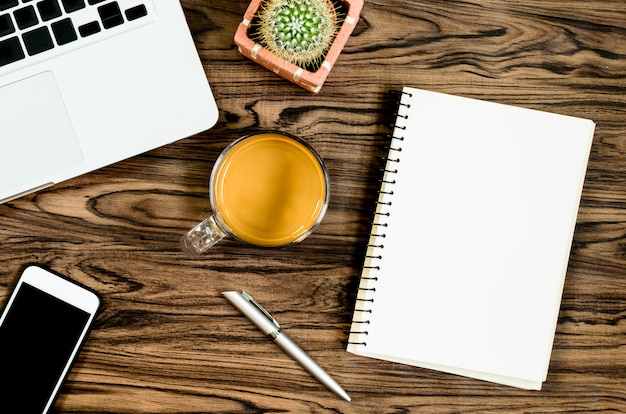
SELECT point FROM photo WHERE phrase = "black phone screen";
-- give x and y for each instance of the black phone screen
(37, 338)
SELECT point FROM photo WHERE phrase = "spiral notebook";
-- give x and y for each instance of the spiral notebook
(471, 238)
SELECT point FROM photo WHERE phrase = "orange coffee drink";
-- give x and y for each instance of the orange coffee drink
(268, 189)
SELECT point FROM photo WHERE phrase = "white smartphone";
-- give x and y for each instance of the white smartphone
(42, 328)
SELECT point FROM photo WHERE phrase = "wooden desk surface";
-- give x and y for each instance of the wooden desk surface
(167, 342)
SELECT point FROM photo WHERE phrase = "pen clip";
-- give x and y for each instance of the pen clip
(261, 308)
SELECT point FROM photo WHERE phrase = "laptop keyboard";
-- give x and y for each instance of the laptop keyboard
(33, 29)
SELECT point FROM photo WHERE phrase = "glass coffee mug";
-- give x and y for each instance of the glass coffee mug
(268, 189)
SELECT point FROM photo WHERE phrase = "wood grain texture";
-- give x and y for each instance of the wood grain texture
(167, 342)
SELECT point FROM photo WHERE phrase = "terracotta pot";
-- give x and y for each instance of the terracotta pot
(311, 81)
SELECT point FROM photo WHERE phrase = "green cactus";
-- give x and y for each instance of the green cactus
(298, 31)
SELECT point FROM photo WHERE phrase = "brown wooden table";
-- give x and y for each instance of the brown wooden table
(167, 342)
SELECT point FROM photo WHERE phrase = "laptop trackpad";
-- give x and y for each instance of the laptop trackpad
(38, 139)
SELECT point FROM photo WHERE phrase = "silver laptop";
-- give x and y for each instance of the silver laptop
(86, 83)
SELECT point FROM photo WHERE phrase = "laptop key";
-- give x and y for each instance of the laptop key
(7, 4)
(25, 17)
(6, 25)
(136, 12)
(89, 29)
(49, 9)
(10, 51)
(37, 41)
(71, 6)
(111, 15)
(64, 31)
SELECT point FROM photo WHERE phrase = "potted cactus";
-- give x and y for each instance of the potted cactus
(299, 40)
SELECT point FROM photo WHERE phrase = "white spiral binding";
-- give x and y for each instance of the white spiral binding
(375, 246)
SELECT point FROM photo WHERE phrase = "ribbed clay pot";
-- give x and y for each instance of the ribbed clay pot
(311, 81)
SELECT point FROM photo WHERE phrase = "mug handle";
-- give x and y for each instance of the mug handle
(202, 237)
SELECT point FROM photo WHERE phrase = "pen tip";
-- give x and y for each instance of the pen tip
(343, 394)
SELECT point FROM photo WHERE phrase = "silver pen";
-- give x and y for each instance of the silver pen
(268, 325)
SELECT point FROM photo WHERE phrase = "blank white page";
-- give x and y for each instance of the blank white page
(477, 240)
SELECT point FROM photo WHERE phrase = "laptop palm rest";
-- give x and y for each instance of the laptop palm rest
(40, 139)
